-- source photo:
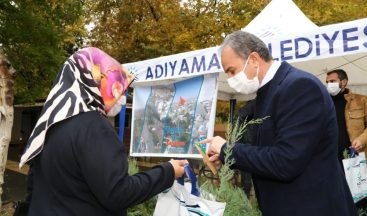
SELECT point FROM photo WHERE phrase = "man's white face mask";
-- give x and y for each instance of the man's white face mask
(116, 108)
(241, 84)
(333, 88)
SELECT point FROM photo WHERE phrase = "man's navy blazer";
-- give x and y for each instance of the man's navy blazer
(293, 157)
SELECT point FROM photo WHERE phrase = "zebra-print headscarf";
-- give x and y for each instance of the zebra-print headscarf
(89, 80)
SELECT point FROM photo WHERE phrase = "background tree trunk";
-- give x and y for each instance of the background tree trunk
(6, 114)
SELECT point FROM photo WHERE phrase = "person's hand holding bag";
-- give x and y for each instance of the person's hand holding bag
(178, 166)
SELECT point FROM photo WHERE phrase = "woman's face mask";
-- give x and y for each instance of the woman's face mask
(241, 84)
(333, 88)
(116, 108)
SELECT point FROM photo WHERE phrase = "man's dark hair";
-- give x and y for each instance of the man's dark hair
(342, 75)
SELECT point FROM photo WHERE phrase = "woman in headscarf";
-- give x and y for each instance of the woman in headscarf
(79, 164)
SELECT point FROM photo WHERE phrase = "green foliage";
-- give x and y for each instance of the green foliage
(37, 36)
(143, 209)
(362, 212)
(235, 198)
(333, 11)
(133, 166)
(222, 111)
(345, 154)
(138, 30)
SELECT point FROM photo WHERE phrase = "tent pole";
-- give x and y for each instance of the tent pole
(232, 105)
(122, 120)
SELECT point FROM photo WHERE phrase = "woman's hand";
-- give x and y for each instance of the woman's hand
(178, 166)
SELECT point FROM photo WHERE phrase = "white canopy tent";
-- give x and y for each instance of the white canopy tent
(290, 36)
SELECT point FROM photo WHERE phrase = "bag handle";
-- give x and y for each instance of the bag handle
(352, 152)
(194, 182)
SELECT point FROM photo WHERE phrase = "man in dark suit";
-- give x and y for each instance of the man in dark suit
(246, 114)
(293, 157)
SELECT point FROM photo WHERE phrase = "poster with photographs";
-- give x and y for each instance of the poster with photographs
(169, 119)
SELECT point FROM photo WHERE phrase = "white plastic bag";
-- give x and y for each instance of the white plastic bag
(356, 174)
(178, 201)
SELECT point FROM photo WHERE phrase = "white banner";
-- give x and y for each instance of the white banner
(169, 119)
(328, 41)
(177, 66)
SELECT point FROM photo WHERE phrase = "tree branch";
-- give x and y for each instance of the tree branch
(152, 10)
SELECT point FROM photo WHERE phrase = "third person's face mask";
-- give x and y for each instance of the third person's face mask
(241, 84)
(333, 88)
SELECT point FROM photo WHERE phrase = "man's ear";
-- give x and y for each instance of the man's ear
(255, 58)
(344, 83)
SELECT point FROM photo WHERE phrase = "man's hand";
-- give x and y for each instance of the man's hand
(215, 145)
(178, 166)
(358, 145)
